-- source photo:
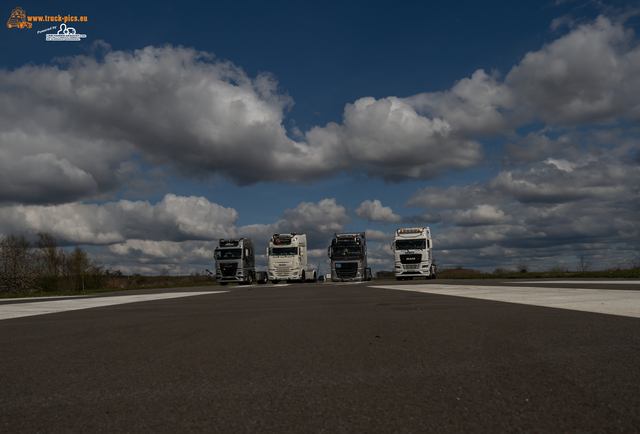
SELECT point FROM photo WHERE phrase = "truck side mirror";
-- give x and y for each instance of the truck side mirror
(267, 251)
(329, 251)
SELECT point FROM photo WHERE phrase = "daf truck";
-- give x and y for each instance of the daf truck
(348, 254)
(413, 253)
(236, 262)
(287, 259)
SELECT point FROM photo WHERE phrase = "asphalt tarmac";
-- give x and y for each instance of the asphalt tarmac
(373, 357)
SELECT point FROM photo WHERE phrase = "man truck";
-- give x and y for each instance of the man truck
(287, 256)
(348, 254)
(413, 253)
(236, 262)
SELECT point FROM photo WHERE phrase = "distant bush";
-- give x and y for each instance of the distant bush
(458, 271)
(196, 277)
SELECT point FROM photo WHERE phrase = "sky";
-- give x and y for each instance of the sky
(511, 129)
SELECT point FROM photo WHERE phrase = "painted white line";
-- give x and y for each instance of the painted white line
(19, 310)
(589, 282)
(613, 302)
(56, 297)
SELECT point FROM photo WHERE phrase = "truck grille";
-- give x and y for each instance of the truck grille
(228, 269)
(347, 270)
(411, 259)
(411, 266)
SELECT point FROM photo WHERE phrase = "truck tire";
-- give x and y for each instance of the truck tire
(303, 277)
(249, 280)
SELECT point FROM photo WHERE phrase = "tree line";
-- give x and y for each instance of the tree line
(42, 266)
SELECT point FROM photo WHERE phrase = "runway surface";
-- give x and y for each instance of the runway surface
(38, 307)
(382, 356)
(614, 302)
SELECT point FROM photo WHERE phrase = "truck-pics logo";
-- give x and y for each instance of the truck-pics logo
(21, 20)
(18, 19)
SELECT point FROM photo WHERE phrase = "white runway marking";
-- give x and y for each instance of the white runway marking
(19, 310)
(586, 282)
(612, 302)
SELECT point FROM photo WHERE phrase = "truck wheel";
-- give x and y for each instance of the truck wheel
(250, 279)
(302, 279)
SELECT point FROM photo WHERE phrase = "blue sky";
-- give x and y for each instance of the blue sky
(510, 129)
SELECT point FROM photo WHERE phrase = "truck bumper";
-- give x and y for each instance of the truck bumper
(353, 279)
(283, 276)
(409, 273)
(230, 279)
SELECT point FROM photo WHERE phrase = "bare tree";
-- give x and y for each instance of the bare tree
(584, 264)
(635, 262)
(75, 268)
(46, 267)
(48, 262)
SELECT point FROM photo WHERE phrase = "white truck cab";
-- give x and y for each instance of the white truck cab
(287, 259)
(413, 254)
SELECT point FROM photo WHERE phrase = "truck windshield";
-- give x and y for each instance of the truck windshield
(229, 254)
(281, 251)
(411, 244)
(341, 252)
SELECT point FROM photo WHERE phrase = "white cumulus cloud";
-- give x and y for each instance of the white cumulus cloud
(174, 218)
(374, 211)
